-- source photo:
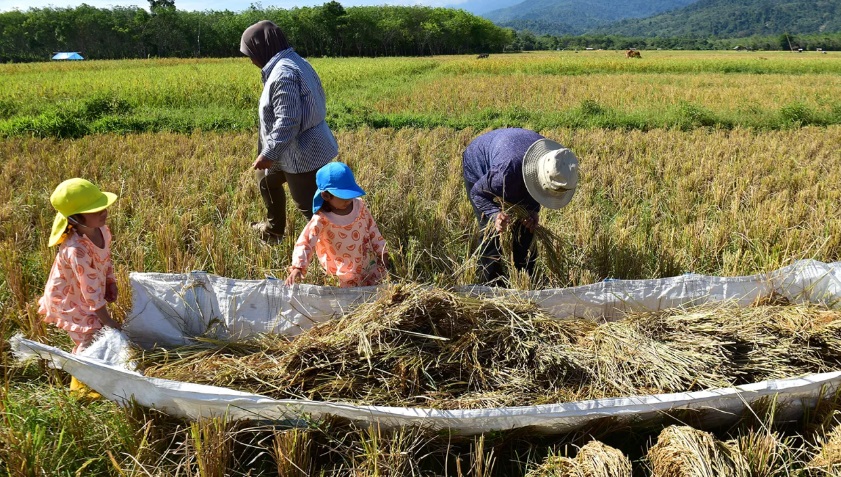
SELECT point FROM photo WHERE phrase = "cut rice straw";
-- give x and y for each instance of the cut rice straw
(551, 245)
(595, 459)
(430, 347)
(682, 451)
(827, 460)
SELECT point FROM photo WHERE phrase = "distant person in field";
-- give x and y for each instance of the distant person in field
(342, 233)
(81, 281)
(294, 140)
(517, 167)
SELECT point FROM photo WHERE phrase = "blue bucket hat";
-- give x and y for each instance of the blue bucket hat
(337, 179)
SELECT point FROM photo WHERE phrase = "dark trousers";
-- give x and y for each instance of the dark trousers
(490, 268)
(301, 187)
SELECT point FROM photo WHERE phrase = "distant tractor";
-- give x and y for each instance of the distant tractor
(632, 54)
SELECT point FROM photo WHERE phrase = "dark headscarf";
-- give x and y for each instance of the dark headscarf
(261, 41)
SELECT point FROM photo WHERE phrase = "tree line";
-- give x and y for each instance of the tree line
(526, 40)
(165, 31)
(326, 30)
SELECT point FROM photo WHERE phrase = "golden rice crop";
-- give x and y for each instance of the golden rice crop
(649, 204)
(653, 92)
(767, 453)
(456, 86)
(827, 458)
(682, 451)
(594, 459)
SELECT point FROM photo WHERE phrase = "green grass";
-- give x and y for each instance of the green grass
(47, 431)
(64, 100)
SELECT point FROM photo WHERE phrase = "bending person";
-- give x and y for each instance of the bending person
(294, 140)
(516, 167)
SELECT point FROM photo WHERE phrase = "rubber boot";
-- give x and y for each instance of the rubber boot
(272, 229)
(82, 391)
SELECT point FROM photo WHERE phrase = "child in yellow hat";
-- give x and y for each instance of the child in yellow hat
(81, 281)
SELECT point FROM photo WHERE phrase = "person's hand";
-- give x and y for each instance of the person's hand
(501, 222)
(530, 222)
(111, 292)
(261, 163)
(106, 320)
(295, 274)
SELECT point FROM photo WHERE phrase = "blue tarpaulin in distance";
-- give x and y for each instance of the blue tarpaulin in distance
(67, 55)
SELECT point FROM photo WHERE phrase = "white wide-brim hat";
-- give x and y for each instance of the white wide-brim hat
(550, 172)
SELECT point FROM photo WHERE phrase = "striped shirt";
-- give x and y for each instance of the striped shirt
(293, 133)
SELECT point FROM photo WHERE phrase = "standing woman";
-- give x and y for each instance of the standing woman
(294, 140)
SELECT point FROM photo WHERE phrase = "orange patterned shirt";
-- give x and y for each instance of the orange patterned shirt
(350, 247)
(76, 286)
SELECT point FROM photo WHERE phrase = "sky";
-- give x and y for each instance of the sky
(200, 5)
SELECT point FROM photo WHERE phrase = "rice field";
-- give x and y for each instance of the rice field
(540, 90)
(720, 163)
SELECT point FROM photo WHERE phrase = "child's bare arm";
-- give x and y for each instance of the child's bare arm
(295, 274)
(105, 318)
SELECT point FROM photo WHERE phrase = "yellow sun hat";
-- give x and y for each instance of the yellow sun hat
(76, 196)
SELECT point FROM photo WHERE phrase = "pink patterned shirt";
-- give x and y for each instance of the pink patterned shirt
(76, 286)
(349, 247)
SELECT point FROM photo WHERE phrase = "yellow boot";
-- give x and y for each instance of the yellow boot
(82, 391)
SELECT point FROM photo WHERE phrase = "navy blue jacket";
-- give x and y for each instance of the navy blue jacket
(493, 163)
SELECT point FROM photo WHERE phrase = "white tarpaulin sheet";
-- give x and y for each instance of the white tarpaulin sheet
(170, 308)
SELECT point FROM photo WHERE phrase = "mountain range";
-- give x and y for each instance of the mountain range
(663, 18)
(481, 7)
(736, 19)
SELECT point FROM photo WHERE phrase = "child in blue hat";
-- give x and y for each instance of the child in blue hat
(342, 233)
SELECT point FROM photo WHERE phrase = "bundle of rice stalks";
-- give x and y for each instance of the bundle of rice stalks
(292, 450)
(826, 337)
(552, 246)
(767, 453)
(682, 451)
(212, 442)
(433, 348)
(758, 343)
(780, 341)
(708, 346)
(595, 459)
(423, 345)
(395, 452)
(628, 359)
(250, 365)
(827, 461)
(413, 346)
